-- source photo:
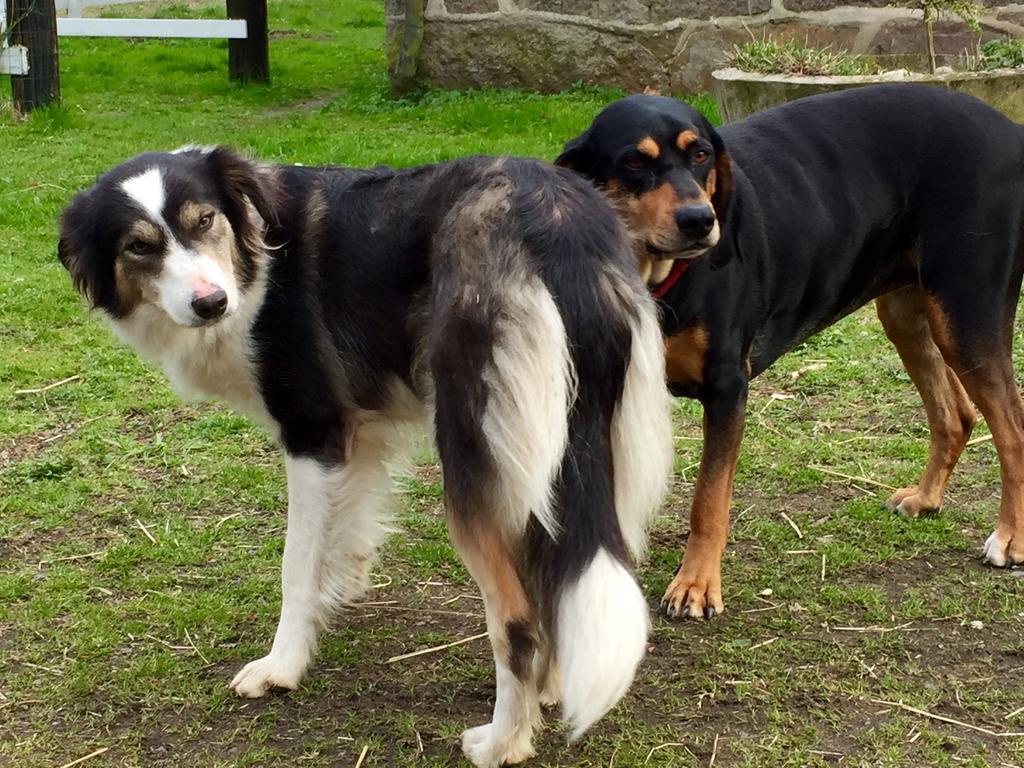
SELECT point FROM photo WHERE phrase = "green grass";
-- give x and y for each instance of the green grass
(108, 640)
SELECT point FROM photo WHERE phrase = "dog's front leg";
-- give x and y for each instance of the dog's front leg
(302, 609)
(696, 589)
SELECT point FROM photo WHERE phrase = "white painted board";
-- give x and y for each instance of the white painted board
(198, 28)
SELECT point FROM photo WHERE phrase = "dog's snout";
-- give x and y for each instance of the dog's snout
(695, 221)
(211, 305)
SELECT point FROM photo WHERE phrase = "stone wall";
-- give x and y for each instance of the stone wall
(669, 45)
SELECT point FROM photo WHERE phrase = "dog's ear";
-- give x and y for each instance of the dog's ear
(721, 196)
(244, 181)
(578, 156)
(79, 248)
(69, 247)
(725, 202)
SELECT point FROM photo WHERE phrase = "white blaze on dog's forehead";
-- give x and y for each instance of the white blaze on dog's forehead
(147, 189)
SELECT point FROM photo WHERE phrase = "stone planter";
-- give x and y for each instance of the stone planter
(740, 94)
(669, 45)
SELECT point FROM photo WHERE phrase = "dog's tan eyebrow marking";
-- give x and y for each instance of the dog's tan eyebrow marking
(191, 212)
(686, 138)
(142, 230)
(649, 147)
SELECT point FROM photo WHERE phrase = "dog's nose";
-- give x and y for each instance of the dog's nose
(695, 221)
(212, 305)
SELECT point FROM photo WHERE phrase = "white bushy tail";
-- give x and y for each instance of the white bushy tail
(602, 630)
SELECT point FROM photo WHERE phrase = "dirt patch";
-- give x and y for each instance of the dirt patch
(14, 450)
(305, 105)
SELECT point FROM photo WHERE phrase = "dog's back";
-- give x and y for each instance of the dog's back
(866, 176)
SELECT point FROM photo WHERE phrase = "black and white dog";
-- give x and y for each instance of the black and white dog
(496, 300)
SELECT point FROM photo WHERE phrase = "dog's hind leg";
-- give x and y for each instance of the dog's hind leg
(972, 282)
(503, 389)
(986, 370)
(951, 416)
(336, 520)
(988, 377)
(508, 738)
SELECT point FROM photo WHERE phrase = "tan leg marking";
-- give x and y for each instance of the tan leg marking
(490, 563)
(696, 589)
(951, 417)
(1003, 412)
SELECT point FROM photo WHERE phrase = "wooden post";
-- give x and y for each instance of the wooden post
(249, 59)
(33, 23)
(409, 41)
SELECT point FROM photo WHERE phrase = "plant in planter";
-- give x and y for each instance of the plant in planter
(1001, 54)
(764, 73)
(969, 12)
(770, 56)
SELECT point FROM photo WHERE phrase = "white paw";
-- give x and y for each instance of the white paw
(485, 749)
(1003, 550)
(994, 551)
(258, 677)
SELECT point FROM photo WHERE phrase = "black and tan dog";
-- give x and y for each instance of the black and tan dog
(908, 195)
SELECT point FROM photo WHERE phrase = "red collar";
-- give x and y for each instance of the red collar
(677, 269)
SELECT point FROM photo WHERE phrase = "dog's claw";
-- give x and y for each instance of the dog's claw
(693, 597)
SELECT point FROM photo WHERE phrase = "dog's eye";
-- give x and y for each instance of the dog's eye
(140, 248)
(701, 156)
(205, 221)
(636, 163)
